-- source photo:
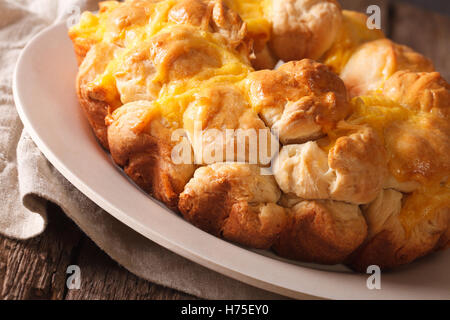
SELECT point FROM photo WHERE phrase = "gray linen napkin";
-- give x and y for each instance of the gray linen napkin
(28, 180)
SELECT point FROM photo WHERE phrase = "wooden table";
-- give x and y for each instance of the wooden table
(36, 269)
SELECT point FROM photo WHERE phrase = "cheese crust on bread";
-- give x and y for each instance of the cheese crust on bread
(361, 173)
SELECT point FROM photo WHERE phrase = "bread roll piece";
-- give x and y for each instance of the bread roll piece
(352, 34)
(322, 231)
(140, 68)
(146, 155)
(354, 170)
(397, 237)
(213, 16)
(222, 108)
(116, 18)
(178, 54)
(420, 91)
(236, 202)
(86, 34)
(196, 54)
(304, 28)
(301, 99)
(103, 85)
(420, 132)
(94, 99)
(135, 76)
(376, 61)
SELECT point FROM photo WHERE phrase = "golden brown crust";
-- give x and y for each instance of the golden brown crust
(224, 107)
(305, 100)
(203, 211)
(247, 213)
(91, 99)
(322, 232)
(255, 226)
(301, 99)
(81, 47)
(403, 228)
(420, 91)
(380, 251)
(214, 16)
(304, 28)
(389, 244)
(146, 156)
(444, 241)
(376, 61)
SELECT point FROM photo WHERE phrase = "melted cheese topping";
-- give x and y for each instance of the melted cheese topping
(95, 28)
(175, 95)
(380, 113)
(146, 19)
(131, 32)
(132, 23)
(353, 33)
(423, 205)
(374, 111)
(255, 13)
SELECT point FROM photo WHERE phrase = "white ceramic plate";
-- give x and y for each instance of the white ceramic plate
(44, 90)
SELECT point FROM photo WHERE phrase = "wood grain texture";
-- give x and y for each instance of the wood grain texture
(102, 278)
(36, 269)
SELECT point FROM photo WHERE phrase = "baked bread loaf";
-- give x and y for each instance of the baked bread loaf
(361, 175)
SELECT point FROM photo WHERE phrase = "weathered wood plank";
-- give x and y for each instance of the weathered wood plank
(102, 278)
(425, 31)
(36, 269)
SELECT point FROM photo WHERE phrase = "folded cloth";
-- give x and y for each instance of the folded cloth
(28, 180)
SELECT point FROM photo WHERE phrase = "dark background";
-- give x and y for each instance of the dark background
(442, 6)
